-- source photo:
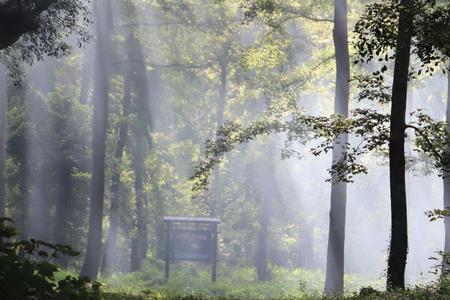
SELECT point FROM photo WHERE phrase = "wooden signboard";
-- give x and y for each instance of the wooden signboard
(191, 239)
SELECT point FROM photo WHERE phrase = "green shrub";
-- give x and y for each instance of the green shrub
(27, 271)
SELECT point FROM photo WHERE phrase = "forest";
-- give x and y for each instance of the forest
(224, 149)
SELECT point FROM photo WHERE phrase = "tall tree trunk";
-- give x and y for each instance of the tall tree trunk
(334, 282)
(139, 243)
(306, 246)
(223, 64)
(110, 246)
(141, 126)
(261, 246)
(86, 75)
(42, 77)
(398, 249)
(99, 126)
(64, 204)
(17, 148)
(446, 179)
(267, 185)
(3, 133)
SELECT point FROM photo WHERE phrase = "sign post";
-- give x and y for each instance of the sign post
(191, 239)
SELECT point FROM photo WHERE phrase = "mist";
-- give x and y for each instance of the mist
(105, 140)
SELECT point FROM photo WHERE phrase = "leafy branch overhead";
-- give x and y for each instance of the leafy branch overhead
(376, 33)
(31, 30)
(368, 128)
(368, 125)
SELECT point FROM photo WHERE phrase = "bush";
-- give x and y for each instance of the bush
(27, 271)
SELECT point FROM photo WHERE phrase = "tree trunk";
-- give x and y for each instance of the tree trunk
(261, 246)
(86, 75)
(42, 77)
(140, 240)
(223, 64)
(141, 127)
(3, 133)
(139, 243)
(446, 179)
(306, 246)
(399, 233)
(268, 188)
(110, 246)
(17, 149)
(64, 203)
(99, 126)
(334, 281)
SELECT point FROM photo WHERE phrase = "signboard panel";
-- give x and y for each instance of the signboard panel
(190, 238)
(191, 245)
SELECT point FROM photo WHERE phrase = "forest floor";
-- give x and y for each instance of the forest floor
(191, 282)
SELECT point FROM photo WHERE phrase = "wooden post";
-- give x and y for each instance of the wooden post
(167, 266)
(214, 253)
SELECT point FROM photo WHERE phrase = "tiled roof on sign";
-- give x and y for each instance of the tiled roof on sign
(191, 219)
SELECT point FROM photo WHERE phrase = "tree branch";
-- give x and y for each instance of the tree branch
(424, 136)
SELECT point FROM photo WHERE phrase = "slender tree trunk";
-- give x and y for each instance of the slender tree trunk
(17, 148)
(99, 126)
(334, 282)
(159, 230)
(261, 250)
(223, 64)
(3, 133)
(42, 76)
(446, 179)
(110, 246)
(86, 75)
(141, 127)
(223, 89)
(398, 249)
(268, 188)
(64, 204)
(139, 243)
(306, 246)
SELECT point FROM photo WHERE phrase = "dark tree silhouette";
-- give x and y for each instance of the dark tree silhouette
(40, 27)
(99, 126)
(398, 249)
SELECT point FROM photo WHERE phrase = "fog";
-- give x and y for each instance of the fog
(188, 68)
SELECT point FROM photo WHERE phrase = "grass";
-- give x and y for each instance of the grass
(189, 281)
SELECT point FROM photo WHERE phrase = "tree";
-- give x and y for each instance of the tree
(446, 182)
(141, 125)
(99, 126)
(334, 282)
(398, 249)
(403, 28)
(40, 27)
(122, 138)
(3, 110)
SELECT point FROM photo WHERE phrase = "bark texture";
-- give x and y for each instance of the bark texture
(446, 179)
(100, 119)
(334, 281)
(110, 245)
(399, 224)
(3, 111)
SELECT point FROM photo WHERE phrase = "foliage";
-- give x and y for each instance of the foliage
(189, 282)
(377, 33)
(28, 272)
(35, 29)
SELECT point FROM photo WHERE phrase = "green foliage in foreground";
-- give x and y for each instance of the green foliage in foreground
(439, 291)
(27, 272)
(191, 281)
